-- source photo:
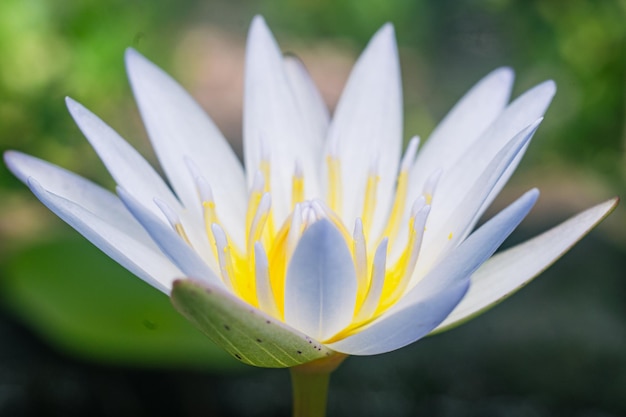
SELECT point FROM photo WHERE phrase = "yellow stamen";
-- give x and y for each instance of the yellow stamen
(265, 169)
(297, 188)
(369, 202)
(335, 189)
(181, 232)
(397, 211)
(257, 227)
(210, 218)
(278, 267)
(359, 252)
(394, 284)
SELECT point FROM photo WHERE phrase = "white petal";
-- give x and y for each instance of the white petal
(478, 108)
(372, 299)
(272, 114)
(127, 167)
(99, 201)
(179, 129)
(172, 245)
(533, 102)
(430, 301)
(133, 173)
(309, 101)
(459, 174)
(142, 260)
(368, 124)
(320, 288)
(454, 216)
(265, 296)
(405, 326)
(524, 111)
(510, 270)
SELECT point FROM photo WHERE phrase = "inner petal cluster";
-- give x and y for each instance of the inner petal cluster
(257, 271)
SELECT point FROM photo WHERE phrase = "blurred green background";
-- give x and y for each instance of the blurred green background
(80, 336)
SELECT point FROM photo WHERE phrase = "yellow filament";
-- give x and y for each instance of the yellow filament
(264, 167)
(393, 224)
(254, 235)
(235, 269)
(181, 232)
(297, 190)
(394, 285)
(253, 204)
(278, 267)
(369, 203)
(210, 217)
(359, 253)
(335, 190)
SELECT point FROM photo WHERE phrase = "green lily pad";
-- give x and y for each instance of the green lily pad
(245, 332)
(84, 303)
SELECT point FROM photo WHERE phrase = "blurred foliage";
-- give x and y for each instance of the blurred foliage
(53, 48)
(97, 310)
(582, 46)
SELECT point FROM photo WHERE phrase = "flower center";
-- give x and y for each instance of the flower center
(257, 272)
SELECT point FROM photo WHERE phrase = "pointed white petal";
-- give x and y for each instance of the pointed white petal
(460, 173)
(372, 299)
(367, 124)
(464, 123)
(65, 184)
(170, 243)
(310, 104)
(431, 300)
(272, 114)
(142, 260)
(179, 129)
(405, 326)
(523, 112)
(454, 216)
(510, 270)
(534, 102)
(265, 296)
(127, 167)
(320, 288)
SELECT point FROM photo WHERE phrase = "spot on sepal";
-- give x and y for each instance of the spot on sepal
(245, 332)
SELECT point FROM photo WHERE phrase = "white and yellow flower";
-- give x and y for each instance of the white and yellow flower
(329, 240)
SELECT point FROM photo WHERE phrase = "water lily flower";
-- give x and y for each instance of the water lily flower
(329, 242)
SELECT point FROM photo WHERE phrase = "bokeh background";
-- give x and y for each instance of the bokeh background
(79, 336)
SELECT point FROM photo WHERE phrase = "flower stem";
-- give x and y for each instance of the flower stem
(310, 386)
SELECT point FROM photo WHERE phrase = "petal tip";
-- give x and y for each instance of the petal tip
(258, 20)
(74, 107)
(548, 88)
(385, 38)
(505, 75)
(9, 156)
(258, 28)
(135, 62)
(17, 162)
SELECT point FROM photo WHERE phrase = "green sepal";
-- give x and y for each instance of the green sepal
(244, 331)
